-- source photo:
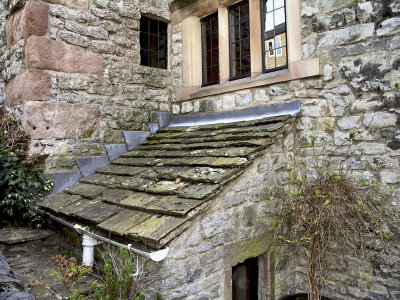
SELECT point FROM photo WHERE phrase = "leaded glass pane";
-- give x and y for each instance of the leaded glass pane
(153, 43)
(210, 49)
(239, 36)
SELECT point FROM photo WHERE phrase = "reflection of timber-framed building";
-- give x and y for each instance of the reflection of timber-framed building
(168, 122)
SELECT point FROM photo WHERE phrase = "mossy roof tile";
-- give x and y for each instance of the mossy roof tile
(115, 195)
(200, 191)
(149, 194)
(73, 208)
(207, 174)
(89, 191)
(58, 202)
(121, 170)
(138, 200)
(123, 221)
(97, 211)
(172, 205)
(166, 187)
(153, 229)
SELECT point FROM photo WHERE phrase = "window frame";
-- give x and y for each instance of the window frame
(230, 8)
(272, 49)
(280, 47)
(299, 67)
(148, 46)
(203, 67)
(264, 69)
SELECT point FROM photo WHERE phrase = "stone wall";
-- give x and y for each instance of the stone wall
(3, 16)
(235, 227)
(86, 86)
(81, 60)
(358, 45)
(239, 225)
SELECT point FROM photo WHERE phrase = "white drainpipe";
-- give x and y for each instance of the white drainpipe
(88, 244)
(91, 239)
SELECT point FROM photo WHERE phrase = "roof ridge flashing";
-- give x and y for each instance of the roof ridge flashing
(237, 116)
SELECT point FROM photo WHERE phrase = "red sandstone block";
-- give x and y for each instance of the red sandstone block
(33, 19)
(44, 120)
(46, 54)
(30, 86)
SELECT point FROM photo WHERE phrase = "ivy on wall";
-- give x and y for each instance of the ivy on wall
(22, 182)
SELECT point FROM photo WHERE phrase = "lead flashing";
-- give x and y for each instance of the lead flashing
(247, 114)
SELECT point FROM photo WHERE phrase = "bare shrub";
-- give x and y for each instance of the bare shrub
(324, 208)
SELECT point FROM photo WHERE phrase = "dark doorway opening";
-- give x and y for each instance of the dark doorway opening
(302, 296)
(245, 280)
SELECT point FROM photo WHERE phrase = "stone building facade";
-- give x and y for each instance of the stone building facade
(71, 71)
(86, 84)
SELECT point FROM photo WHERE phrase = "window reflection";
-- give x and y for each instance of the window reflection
(274, 35)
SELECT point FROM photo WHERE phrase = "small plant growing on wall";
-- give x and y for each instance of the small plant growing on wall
(323, 209)
(22, 183)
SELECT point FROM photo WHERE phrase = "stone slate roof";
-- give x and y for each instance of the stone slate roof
(149, 194)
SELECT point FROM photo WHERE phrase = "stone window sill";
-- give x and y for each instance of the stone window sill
(297, 70)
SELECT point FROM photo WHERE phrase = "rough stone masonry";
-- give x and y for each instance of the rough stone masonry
(80, 62)
(71, 72)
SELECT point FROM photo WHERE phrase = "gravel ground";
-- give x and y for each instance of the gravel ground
(29, 254)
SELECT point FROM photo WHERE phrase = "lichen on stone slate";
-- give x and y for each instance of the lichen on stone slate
(149, 193)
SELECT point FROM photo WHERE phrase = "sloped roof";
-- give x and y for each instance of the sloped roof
(149, 194)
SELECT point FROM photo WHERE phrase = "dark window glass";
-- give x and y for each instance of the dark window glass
(239, 39)
(245, 280)
(153, 43)
(274, 35)
(210, 49)
(163, 29)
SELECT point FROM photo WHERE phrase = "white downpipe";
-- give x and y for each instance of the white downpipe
(156, 256)
(88, 244)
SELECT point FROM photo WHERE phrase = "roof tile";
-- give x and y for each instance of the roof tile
(58, 202)
(200, 191)
(152, 230)
(89, 191)
(207, 174)
(151, 193)
(123, 221)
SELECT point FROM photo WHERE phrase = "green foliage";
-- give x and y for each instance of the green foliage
(119, 282)
(324, 205)
(76, 296)
(119, 277)
(88, 133)
(69, 271)
(22, 183)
